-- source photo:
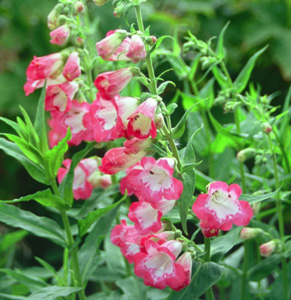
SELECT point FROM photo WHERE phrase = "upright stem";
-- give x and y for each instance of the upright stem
(280, 219)
(209, 292)
(245, 270)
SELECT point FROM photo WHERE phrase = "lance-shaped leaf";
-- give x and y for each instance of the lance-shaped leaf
(258, 198)
(53, 292)
(39, 226)
(40, 122)
(46, 198)
(85, 224)
(220, 78)
(205, 275)
(9, 239)
(220, 49)
(243, 77)
(66, 186)
(35, 170)
(163, 86)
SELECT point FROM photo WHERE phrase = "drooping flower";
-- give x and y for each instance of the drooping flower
(147, 216)
(58, 97)
(112, 83)
(185, 260)
(158, 267)
(220, 208)
(82, 187)
(108, 46)
(153, 180)
(136, 50)
(72, 68)
(141, 122)
(73, 119)
(121, 158)
(104, 119)
(60, 35)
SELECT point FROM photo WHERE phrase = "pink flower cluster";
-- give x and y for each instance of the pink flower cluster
(220, 208)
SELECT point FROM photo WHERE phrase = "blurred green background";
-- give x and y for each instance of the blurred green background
(253, 24)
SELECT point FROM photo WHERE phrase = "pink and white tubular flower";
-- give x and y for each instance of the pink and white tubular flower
(108, 46)
(147, 217)
(73, 119)
(82, 188)
(157, 265)
(153, 180)
(58, 97)
(121, 158)
(185, 260)
(103, 118)
(41, 68)
(141, 121)
(60, 35)
(72, 68)
(126, 106)
(112, 83)
(220, 208)
(136, 50)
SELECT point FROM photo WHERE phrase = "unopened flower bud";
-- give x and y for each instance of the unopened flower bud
(249, 233)
(79, 41)
(268, 248)
(79, 7)
(245, 154)
(100, 2)
(267, 128)
(151, 40)
(159, 121)
(52, 18)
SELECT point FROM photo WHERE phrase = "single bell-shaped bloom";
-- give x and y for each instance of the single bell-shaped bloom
(60, 35)
(72, 68)
(136, 50)
(220, 207)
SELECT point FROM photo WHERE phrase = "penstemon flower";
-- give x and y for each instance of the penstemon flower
(220, 207)
(72, 69)
(60, 35)
(136, 50)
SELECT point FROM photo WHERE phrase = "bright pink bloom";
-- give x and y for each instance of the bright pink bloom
(82, 187)
(112, 83)
(108, 46)
(60, 35)
(136, 51)
(103, 118)
(73, 119)
(141, 121)
(72, 67)
(220, 208)
(207, 231)
(185, 260)
(157, 266)
(153, 180)
(58, 98)
(41, 68)
(126, 106)
(121, 158)
(268, 248)
(147, 217)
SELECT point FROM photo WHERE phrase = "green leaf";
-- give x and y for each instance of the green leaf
(205, 275)
(39, 226)
(28, 150)
(45, 197)
(40, 122)
(9, 239)
(35, 171)
(5, 296)
(132, 288)
(54, 157)
(220, 78)
(258, 198)
(286, 119)
(53, 292)
(49, 268)
(179, 129)
(202, 181)
(88, 255)
(66, 186)
(93, 216)
(264, 267)
(163, 86)
(221, 245)
(243, 77)
(32, 282)
(220, 49)
(12, 124)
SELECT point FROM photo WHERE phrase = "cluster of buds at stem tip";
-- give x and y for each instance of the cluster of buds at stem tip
(245, 154)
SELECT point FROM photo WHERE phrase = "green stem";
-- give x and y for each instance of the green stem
(209, 292)
(280, 219)
(245, 270)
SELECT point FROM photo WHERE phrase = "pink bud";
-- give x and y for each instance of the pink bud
(136, 51)
(249, 233)
(72, 67)
(268, 248)
(79, 7)
(60, 35)
(267, 128)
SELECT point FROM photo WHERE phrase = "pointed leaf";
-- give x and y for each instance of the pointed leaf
(258, 198)
(39, 226)
(35, 171)
(163, 86)
(9, 239)
(220, 49)
(12, 124)
(53, 292)
(243, 77)
(220, 78)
